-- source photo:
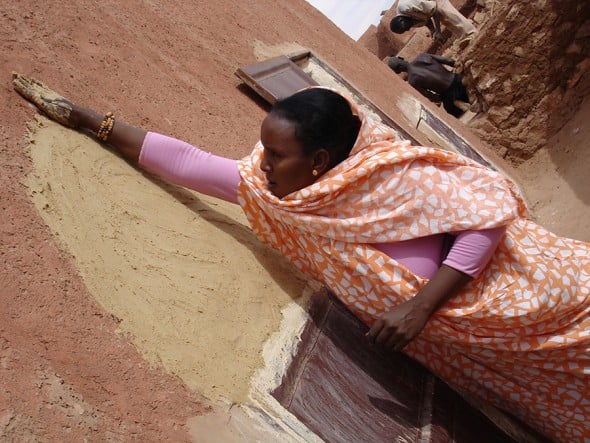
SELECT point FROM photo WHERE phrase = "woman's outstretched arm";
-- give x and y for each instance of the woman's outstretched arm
(125, 138)
(172, 159)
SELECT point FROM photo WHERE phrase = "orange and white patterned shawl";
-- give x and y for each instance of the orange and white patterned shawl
(518, 335)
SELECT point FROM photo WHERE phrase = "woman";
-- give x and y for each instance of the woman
(427, 247)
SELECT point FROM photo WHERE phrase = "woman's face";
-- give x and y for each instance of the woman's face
(286, 167)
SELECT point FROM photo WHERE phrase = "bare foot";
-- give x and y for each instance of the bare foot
(51, 103)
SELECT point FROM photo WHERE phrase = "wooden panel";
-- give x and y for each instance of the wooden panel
(276, 78)
(345, 390)
(453, 140)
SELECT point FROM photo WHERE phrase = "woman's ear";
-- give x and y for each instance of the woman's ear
(321, 160)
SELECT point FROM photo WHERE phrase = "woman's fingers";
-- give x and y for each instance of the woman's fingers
(381, 334)
(51, 103)
(400, 344)
(396, 341)
(392, 342)
(59, 110)
(374, 331)
(388, 337)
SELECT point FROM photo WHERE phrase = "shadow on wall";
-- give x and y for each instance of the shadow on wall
(569, 103)
(280, 270)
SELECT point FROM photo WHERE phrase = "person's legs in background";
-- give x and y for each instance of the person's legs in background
(454, 97)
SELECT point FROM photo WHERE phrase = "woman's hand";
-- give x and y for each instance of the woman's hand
(66, 110)
(125, 138)
(51, 103)
(398, 327)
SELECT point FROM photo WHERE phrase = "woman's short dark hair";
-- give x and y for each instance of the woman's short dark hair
(323, 119)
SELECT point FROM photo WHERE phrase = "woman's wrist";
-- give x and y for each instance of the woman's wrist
(446, 283)
(86, 118)
(428, 299)
(124, 138)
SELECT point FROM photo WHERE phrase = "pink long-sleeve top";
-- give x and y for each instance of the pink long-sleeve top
(183, 164)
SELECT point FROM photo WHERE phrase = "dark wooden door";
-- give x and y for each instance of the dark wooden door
(346, 390)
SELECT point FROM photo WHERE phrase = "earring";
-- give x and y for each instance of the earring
(314, 172)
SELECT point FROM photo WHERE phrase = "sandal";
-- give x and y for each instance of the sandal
(51, 103)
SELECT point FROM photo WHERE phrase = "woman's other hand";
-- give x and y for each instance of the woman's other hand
(398, 327)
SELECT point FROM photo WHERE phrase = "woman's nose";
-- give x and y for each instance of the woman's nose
(264, 164)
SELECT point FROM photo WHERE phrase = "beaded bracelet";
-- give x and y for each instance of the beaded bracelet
(106, 127)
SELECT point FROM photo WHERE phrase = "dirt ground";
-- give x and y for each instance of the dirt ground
(81, 355)
(556, 179)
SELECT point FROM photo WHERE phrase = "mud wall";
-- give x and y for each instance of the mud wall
(529, 68)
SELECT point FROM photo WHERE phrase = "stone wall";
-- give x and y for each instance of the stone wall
(529, 68)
